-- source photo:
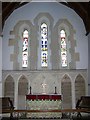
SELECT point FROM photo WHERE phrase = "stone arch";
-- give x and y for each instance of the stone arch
(66, 92)
(17, 31)
(79, 86)
(9, 87)
(48, 20)
(22, 91)
(64, 24)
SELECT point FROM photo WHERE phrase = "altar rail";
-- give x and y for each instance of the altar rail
(63, 110)
(43, 111)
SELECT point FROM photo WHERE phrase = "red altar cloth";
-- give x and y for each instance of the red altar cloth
(43, 97)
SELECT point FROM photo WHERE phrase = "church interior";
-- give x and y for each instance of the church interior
(45, 60)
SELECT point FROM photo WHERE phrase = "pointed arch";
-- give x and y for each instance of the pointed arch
(23, 31)
(65, 52)
(66, 92)
(79, 86)
(9, 87)
(44, 23)
(66, 77)
(22, 91)
(22, 85)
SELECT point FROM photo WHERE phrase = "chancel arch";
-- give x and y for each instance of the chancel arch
(9, 87)
(79, 86)
(66, 92)
(22, 91)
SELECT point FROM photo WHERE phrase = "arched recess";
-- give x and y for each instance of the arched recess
(22, 92)
(79, 86)
(64, 24)
(16, 56)
(9, 87)
(66, 92)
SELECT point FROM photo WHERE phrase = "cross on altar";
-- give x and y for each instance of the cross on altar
(43, 85)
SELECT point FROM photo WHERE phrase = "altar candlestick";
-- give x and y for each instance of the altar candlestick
(30, 89)
(55, 90)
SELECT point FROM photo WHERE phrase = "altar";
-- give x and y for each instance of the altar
(43, 102)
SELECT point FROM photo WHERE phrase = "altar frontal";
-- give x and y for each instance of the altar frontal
(43, 102)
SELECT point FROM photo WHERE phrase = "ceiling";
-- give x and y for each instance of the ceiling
(81, 8)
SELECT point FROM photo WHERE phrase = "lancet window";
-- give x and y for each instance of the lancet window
(25, 49)
(44, 45)
(63, 48)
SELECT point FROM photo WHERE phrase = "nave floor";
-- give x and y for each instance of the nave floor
(85, 116)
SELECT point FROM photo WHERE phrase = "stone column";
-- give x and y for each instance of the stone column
(16, 95)
(73, 95)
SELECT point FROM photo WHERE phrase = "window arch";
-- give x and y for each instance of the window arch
(63, 48)
(44, 44)
(44, 24)
(25, 48)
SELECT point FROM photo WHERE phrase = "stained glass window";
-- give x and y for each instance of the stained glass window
(63, 48)
(44, 45)
(25, 49)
